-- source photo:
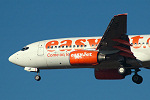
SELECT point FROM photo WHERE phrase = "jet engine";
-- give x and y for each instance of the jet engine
(86, 57)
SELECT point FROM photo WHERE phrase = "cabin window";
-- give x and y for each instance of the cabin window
(77, 46)
(52, 47)
(74, 46)
(84, 45)
(66, 46)
(70, 46)
(24, 48)
(81, 45)
(55, 46)
(62, 46)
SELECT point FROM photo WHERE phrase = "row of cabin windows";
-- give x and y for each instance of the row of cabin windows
(69, 46)
(66, 46)
(139, 43)
(85, 45)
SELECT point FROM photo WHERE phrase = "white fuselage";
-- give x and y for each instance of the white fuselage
(54, 54)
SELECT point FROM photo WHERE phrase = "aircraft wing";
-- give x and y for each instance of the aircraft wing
(115, 39)
(116, 30)
(116, 42)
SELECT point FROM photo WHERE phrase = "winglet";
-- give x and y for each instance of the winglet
(122, 14)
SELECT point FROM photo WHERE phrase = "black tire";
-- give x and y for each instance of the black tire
(37, 78)
(137, 79)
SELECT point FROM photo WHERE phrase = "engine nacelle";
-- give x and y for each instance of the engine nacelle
(108, 74)
(86, 57)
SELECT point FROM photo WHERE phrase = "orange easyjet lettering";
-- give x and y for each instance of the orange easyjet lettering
(148, 42)
(93, 41)
(80, 42)
(65, 43)
(51, 43)
(135, 41)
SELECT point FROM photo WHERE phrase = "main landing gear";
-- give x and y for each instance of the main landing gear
(135, 78)
(38, 77)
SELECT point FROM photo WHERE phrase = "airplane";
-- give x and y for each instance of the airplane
(112, 56)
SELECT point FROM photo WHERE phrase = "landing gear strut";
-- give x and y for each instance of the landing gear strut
(124, 71)
(137, 78)
(38, 77)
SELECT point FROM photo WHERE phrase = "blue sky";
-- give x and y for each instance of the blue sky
(25, 21)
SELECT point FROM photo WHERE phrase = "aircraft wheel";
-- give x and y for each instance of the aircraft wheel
(121, 70)
(37, 78)
(137, 79)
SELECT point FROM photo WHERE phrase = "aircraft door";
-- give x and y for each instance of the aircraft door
(40, 51)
